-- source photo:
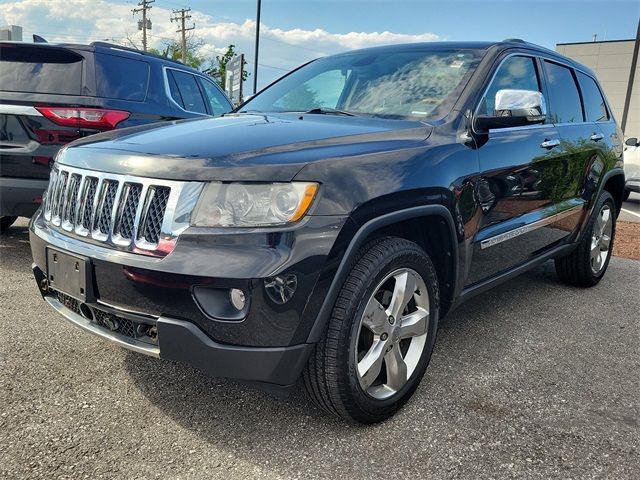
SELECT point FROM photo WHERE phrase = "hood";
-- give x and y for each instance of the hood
(239, 147)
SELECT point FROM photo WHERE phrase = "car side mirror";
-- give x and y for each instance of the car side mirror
(632, 142)
(514, 108)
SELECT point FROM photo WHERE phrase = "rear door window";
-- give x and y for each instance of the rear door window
(190, 96)
(36, 69)
(564, 99)
(594, 105)
(122, 78)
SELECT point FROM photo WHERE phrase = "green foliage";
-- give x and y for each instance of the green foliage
(218, 69)
(173, 50)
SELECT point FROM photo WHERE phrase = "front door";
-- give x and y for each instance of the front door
(515, 190)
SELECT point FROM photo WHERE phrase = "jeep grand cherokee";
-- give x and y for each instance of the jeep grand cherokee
(325, 228)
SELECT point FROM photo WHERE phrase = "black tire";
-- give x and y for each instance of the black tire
(575, 268)
(330, 376)
(625, 195)
(6, 222)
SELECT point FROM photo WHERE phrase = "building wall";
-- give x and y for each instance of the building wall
(11, 32)
(611, 62)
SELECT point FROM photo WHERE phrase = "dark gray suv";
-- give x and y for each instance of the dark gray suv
(325, 228)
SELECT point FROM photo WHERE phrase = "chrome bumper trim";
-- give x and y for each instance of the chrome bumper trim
(85, 324)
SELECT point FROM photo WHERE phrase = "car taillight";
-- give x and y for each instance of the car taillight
(98, 118)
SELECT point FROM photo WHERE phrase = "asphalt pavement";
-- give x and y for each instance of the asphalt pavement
(631, 209)
(533, 379)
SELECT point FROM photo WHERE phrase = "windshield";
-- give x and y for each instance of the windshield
(410, 84)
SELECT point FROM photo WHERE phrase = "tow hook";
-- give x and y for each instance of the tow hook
(44, 285)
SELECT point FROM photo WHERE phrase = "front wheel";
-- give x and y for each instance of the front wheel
(380, 335)
(587, 264)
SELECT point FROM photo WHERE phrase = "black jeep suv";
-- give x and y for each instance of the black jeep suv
(325, 228)
(51, 94)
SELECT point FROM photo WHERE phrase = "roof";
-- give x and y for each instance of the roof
(596, 42)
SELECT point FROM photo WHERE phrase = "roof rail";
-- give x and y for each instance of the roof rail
(135, 50)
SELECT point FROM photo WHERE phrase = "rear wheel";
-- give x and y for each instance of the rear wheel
(380, 335)
(587, 264)
(6, 222)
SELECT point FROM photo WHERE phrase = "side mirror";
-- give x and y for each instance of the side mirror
(632, 142)
(514, 108)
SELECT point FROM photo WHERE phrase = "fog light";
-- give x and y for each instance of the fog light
(237, 298)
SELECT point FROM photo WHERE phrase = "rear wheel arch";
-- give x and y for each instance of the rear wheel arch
(614, 184)
(429, 226)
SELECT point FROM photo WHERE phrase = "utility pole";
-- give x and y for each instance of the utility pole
(632, 75)
(255, 59)
(145, 23)
(182, 16)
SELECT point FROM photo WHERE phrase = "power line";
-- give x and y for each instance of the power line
(144, 6)
(181, 16)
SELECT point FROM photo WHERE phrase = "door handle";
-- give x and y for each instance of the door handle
(596, 136)
(550, 143)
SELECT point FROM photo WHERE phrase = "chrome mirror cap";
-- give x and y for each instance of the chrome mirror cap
(519, 103)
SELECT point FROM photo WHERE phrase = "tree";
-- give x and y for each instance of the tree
(173, 50)
(218, 68)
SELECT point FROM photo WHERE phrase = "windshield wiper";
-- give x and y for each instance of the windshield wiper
(329, 111)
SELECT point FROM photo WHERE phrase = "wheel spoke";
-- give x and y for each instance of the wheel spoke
(396, 369)
(414, 324)
(371, 364)
(374, 317)
(403, 292)
(606, 217)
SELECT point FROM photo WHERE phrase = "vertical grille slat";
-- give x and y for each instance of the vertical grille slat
(109, 190)
(120, 211)
(126, 220)
(152, 220)
(89, 196)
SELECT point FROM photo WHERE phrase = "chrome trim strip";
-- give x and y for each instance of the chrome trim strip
(19, 110)
(516, 232)
(121, 340)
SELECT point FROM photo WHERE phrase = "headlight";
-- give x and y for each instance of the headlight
(252, 204)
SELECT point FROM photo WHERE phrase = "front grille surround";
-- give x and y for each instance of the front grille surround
(136, 214)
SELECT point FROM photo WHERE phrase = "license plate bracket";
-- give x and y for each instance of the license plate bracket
(70, 274)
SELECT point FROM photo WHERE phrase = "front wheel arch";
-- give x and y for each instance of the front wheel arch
(380, 226)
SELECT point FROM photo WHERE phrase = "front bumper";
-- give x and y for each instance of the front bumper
(182, 341)
(267, 345)
(633, 184)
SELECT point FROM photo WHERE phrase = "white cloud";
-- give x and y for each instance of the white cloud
(84, 21)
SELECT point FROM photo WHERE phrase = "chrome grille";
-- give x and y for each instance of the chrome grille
(120, 211)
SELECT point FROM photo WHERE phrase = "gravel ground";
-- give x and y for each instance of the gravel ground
(531, 380)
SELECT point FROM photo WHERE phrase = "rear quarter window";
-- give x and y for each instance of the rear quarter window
(594, 104)
(35, 69)
(121, 78)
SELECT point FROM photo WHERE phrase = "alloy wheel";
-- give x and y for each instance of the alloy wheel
(601, 239)
(392, 333)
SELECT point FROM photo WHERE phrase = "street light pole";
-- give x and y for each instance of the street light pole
(255, 60)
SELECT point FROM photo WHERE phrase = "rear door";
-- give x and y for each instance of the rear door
(583, 145)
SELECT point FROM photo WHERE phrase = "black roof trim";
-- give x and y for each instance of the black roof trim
(135, 50)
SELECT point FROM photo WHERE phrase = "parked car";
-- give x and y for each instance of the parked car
(51, 94)
(325, 228)
(631, 166)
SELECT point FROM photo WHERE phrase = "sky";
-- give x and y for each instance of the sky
(294, 32)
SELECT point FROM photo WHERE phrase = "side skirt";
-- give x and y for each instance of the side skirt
(485, 285)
